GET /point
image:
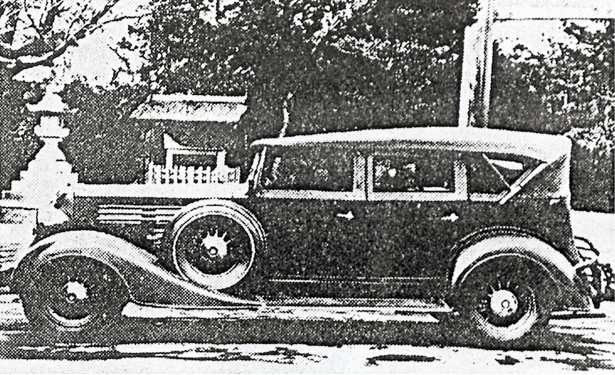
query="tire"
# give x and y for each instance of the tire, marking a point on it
(504, 299)
(214, 243)
(74, 299)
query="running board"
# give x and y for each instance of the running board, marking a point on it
(302, 309)
(409, 310)
(576, 314)
(398, 304)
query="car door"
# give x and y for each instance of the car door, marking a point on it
(414, 205)
(308, 201)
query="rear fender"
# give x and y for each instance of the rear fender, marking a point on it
(146, 281)
(560, 271)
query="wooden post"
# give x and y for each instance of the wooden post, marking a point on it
(485, 67)
(476, 69)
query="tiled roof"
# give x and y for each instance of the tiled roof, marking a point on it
(192, 108)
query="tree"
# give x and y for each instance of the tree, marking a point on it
(37, 32)
(567, 90)
(105, 145)
(310, 63)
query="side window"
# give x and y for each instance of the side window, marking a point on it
(494, 174)
(413, 173)
(310, 169)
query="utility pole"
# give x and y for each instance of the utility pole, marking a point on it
(476, 68)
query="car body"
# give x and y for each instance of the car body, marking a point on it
(441, 219)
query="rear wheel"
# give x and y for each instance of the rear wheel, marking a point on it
(504, 299)
(74, 298)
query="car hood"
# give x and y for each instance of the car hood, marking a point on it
(181, 191)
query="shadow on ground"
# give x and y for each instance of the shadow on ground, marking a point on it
(214, 340)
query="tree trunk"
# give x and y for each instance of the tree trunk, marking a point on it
(286, 114)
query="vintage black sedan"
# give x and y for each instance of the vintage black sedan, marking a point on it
(472, 222)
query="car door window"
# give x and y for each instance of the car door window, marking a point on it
(414, 175)
(406, 173)
(304, 172)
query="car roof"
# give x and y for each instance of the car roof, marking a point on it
(543, 147)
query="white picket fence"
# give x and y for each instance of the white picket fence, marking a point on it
(181, 174)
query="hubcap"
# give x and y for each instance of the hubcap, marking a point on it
(215, 246)
(74, 302)
(75, 291)
(503, 303)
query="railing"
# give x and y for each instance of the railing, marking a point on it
(181, 174)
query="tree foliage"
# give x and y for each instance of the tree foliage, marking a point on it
(567, 90)
(329, 64)
(105, 145)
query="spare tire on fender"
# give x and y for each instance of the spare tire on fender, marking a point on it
(213, 243)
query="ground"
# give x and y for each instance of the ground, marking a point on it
(298, 347)
(414, 344)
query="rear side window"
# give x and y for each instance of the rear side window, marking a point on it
(309, 169)
(494, 174)
(413, 173)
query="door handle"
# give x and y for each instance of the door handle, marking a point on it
(452, 218)
(349, 216)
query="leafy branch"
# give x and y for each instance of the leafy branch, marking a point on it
(48, 45)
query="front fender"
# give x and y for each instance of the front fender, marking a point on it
(561, 272)
(146, 281)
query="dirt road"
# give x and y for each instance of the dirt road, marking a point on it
(416, 345)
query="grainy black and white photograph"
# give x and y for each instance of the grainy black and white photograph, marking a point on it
(307, 186)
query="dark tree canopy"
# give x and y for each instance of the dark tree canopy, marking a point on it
(333, 64)
(105, 145)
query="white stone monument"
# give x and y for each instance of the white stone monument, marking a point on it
(49, 176)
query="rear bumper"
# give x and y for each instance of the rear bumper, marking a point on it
(597, 279)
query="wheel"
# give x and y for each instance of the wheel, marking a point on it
(74, 298)
(504, 299)
(214, 245)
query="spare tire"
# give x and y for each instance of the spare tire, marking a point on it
(213, 243)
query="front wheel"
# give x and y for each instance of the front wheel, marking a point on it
(504, 299)
(71, 298)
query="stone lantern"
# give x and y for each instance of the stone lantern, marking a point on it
(48, 178)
